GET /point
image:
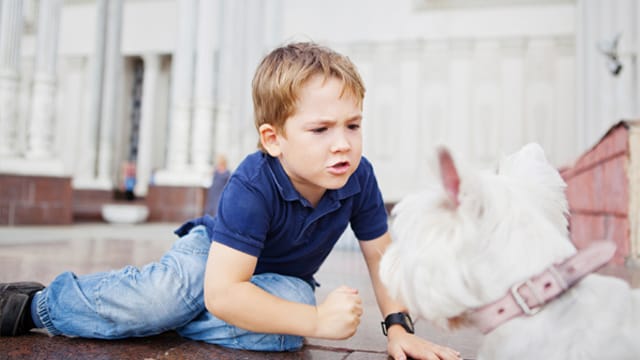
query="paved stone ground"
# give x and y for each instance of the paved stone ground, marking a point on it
(40, 253)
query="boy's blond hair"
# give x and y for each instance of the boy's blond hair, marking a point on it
(284, 71)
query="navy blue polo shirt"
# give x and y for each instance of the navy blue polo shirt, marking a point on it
(261, 214)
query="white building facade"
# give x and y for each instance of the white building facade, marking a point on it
(86, 85)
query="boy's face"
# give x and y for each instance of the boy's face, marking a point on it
(323, 142)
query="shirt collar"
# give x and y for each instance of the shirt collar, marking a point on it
(289, 193)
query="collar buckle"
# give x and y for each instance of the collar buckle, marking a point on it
(522, 303)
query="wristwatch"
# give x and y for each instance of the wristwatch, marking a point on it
(400, 318)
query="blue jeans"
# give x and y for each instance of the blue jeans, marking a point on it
(162, 296)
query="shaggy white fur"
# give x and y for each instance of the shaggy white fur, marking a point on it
(464, 241)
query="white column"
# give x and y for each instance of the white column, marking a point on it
(539, 95)
(625, 91)
(182, 87)
(202, 129)
(433, 122)
(385, 98)
(365, 62)
(460, 96)
(512, 84)
(10, 36)
(636, 69)
(405, 156)
(273, 14)
(111, 92)
(147, 116)
(485, 122)
(40, 131)
(254, 49)
(565, 145)
(582, 120)
(71, 110)
(227, 69)
(86, 172)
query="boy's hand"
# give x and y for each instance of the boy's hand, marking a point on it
(403, 345)
(338, 316)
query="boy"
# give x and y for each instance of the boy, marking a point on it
(246, 276)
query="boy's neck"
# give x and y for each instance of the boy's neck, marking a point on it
(315, 199)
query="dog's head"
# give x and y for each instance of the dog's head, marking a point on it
(463, 241)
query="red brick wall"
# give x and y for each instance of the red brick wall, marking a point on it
(42, 200)
(35, 200)
(87, 204)
(175, 203)
(598, 193)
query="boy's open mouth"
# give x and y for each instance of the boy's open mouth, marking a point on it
(339, 167)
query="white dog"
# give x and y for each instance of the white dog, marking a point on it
(463, 247)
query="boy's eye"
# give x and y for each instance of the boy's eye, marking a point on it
(354, 126)
(319, 130)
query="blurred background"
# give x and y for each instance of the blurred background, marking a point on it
(96, 92)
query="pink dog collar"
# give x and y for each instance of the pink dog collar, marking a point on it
(529, 296)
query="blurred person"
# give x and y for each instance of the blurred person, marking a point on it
(221, 175)
(128, 182)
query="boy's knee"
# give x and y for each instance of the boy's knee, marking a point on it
(195, 242)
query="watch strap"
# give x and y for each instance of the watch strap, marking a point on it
(400, 318)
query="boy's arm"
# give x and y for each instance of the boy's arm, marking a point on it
(230, 296)
(400, 343)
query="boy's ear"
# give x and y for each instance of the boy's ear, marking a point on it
(269, 139)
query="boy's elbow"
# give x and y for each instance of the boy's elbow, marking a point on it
(218, 302)
(212, 301)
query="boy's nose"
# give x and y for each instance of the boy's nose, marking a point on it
(341, 142)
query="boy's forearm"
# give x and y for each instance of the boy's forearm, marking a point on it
(249, 307)
(386, 304)
(373, 251)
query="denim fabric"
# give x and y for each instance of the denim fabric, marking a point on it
(161, 296)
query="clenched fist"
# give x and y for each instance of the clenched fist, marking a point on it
(338, 316)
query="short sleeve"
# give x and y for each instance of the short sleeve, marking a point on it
(243, 218)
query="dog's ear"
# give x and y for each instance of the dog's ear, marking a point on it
(449, 175)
